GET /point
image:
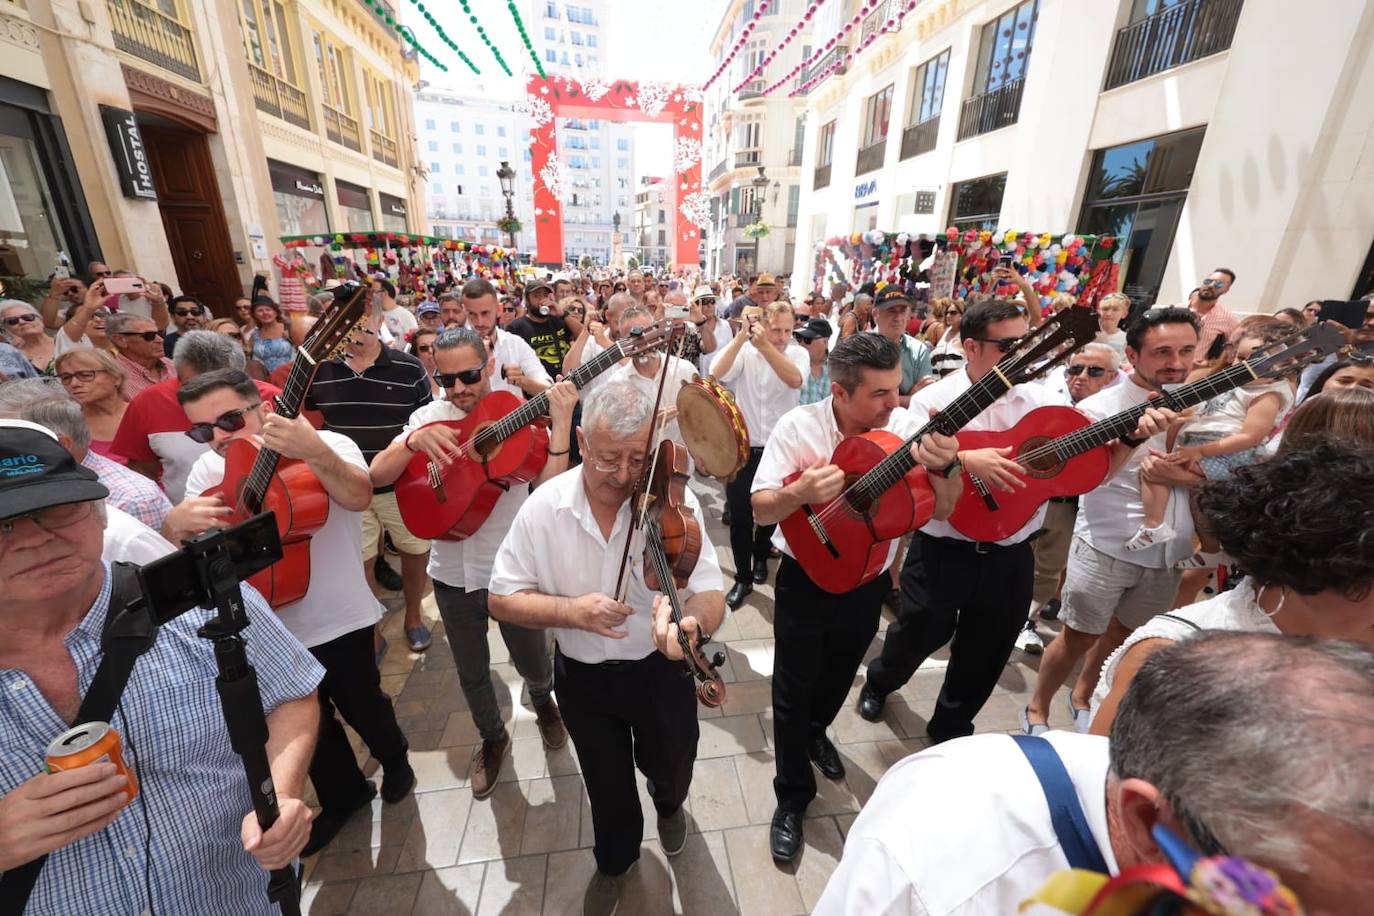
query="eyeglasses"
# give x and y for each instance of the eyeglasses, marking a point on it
(467, 377)
(509, 310)
(610, 466)
(1003, 344)
(20, 319)
(1361, 358)
(149, 336)
(183, 313)
(424, 348)
(81, 375)
(101, 273)
(1210, 282)
(230, 422)
(1093, 371)
(49, 518)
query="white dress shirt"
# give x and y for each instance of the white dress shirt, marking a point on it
(1004, 413)
(680, 372)
(555, 547)
(1111, 514)
(994, 845)
(805, 436)
(129, 540)
(721, 327)
(513, 350)
(338, 600)
(466, 564)
(1056, 385)
(761, 396)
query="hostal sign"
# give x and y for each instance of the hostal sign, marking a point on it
(130, 155)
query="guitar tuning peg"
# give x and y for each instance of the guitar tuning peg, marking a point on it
(703, 639)
(718, 659)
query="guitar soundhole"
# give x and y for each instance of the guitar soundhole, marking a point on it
(858, 502)
(1043, 466)
(484, 446)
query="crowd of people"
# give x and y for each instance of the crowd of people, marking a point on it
(120, 414)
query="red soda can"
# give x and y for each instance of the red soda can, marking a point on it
(92, 742)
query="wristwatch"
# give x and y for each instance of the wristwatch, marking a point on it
(1130, 442)
(954, 467)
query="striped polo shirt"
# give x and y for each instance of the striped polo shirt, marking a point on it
(370, 407)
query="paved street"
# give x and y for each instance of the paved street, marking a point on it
(527, 848)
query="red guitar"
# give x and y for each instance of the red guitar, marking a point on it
(844, 544)
(258, 479)
(504, 449)
(1065, 454)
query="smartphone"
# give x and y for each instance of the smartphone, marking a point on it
(676, 311)
(123, 286)
(1006, 260)
(752, 312)
(172, 584)
(1349, 314)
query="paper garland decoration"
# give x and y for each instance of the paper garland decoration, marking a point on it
(443, 36)
(482, 33)
(797, 28)
(739, 43)
(525, 37)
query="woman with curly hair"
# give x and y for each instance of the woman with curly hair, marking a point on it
(1301, 527)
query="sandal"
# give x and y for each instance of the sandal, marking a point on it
(1146, 538)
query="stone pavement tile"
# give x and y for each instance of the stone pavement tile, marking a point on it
(764, 888)
(522, 722)
(436, 831)
(729, 629)
(751, 659)
(553, 820)
(562, 761)
(460, 729)
(911, 723)
(386, 895)
(821, 855)
(729, 735)
(566, 881)
(1002, 713)
(752, 624)
(330, 899)
(851, 728)
(756, 782)
(524, 760)
(495, 825)
(392, 684)
(425, 739)
(514, 887)
(386, 827)
(444, 767)
(449, 891)
(894, 751)
(766, 723)
(832, 797)
(845, 821)
(716, 799)
(864, 765)
(648, 886)
(359, 863)
(747, 697)
(702, 882)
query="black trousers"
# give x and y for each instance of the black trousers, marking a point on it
(353, 685)
(747, 543)
(820, 640)
(976, 595)
(623, 715)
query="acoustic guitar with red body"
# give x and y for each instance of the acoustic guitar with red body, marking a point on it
(502, 449)
(1063, 453)
(260, 480)
(844, 544)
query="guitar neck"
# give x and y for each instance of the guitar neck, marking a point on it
(288, 404)
(538, 405)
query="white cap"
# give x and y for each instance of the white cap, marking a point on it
(703, 292)
(26, 424)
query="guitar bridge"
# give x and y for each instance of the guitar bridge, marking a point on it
(436, 482)
(818, 528)
(988, 499)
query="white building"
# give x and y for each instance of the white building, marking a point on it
(1203, 133)
(599, 154)
(746, 130)
(653, 226)
(463, 139)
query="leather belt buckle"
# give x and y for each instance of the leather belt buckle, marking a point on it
(983, 547)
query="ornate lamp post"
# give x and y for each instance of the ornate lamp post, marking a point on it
(760, 185)
(506, 175)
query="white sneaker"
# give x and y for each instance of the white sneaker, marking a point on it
(1149, 537)
(1029, 641)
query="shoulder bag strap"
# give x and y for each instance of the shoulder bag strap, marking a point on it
(1070, 824)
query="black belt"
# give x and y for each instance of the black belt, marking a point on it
(608, 663)
(1065, 500)
(974, 546)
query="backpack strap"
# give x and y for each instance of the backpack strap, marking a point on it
(1070, 824)
(1183, 620)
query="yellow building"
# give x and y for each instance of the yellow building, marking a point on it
(180, 138)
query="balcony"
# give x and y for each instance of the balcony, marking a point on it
(342, 129)
(1172, 37)
(836, 53)
(384, 149)
(876, 21)
(746, 157)
(870, 157)
(992, 110)
(751, 90)
(279, 98)
(794, 157)
(717, 170)
(152, 35)
(920, 138)
(821, 177)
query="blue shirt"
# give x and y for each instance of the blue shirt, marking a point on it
(815, 388)
(192, 785)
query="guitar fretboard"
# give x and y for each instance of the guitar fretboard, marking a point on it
(288, 405)
(538, 405)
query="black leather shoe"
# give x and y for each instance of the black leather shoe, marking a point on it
(785, 836)
(1050, 609)
(387, 578)
(760, 571)
(327, 824)
(870, 704)
(737, 594)
(825, 757)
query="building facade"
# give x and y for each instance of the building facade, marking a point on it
(746, 132)
(181, 138)
(1187, 129)
(653, 224)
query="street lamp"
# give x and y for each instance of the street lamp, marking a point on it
(760, 184)
(506, 175)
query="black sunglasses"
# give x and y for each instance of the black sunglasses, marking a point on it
(1003, 344)
(184, 313)
(467, 377)
(230, 422)
(20, 319)
(149, 336)
(1093, 371)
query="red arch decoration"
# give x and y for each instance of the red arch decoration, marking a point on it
(556, 97)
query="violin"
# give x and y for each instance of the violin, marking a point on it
(672, 544)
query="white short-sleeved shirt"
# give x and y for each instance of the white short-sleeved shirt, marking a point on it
(965, 868)
(129, 540)
(1110, 514)
(339, 600)
(1056, 385)
(466, 564)
(590, 351)
(806, 435)
(555, 547)
(399, 322)
(722, 332)
(511, 350)
(1004, 413)
(680, 372)
(763, 397)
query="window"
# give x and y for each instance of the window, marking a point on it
(1004, 48)
(458, 169)
(577, 59)
(591, 42)
(593, 125)
(429, 124)
(576, 38)
(622, 163)
(622, 144)
(481, 150)
(749, 135)
(877, 113)
(434, 167)
(1136, 192)
(458, 148)
(977, 204)
(550, 56)
(481, 129)
(928, 90)
(454, 127)
(266, 38)
(433, 147)
(596, 162)
(551, 10)
(596, 142)
(825, 144)
(793, 203)
(436, 188)
(500, 131)
(329, 60)
(482, 173)
(550, 33)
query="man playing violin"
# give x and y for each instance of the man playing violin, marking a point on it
(461, 570)
(617, 664)
(821, 637)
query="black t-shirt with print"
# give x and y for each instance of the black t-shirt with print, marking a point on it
(550, 339)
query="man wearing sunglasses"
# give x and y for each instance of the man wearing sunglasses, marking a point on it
(187, 315)
(1217, 319)
(335, 619)
(462, 569)
(140, 351)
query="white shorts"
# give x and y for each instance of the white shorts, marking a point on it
(1098, 587)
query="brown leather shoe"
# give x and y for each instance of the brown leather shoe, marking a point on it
(486, 765)
(551, 727)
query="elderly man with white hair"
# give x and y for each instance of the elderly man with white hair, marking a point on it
(617, 666)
